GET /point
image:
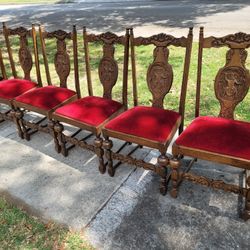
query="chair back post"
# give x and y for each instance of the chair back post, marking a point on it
(76, 67)
(37, 65)
(2, 66)
(45, 59)
(133, 65)
(125, 69)
(7, 42)
(87, 64)
(185, 77)
(199, 71)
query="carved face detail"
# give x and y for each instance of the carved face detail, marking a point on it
(158, 77)
(62, 65)
(107, 72)
(231, 84)
(25, 57)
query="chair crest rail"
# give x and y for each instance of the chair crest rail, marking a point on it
(161, 39)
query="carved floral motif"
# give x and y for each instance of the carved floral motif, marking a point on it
(217, 184)
(25, 57)
(106, 38)
(62, 63)
(160, 76)
(160, 40)
(20, 31)
(58, 34)
(234, 38)
(108, 70)
(133, 161)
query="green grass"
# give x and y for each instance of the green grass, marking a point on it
(21, 231)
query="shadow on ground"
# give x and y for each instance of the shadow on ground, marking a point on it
(117, 16)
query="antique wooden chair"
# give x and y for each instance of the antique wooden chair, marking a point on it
(91, 113)
(46, 99)
(11, 88)
(219, 139)
(153, 126)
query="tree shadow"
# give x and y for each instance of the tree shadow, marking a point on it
(116, 16)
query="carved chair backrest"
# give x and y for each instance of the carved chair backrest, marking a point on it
(24, 53)
(160, 72)
(61, 57)
(108, 66)
(232, 81)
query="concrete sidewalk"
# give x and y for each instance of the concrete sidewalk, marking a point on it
(124, 212)
(147, 17)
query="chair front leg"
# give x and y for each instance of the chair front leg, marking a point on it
(175, 165)
(26, 135)
(246, 213)
(60, 140)
(100, 153)
(163, 162)
(108, 144)
(53, 132)
(2, 120)
(17, 116)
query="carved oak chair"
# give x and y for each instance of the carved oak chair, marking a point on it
(91, 113)
(219, 139)
(154, 126)
(13, 87)
(46, 99)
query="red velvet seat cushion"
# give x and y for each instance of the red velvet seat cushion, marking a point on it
(218, 135)
(147, 122)
(11, 88)
(46, 98)
(91, 110)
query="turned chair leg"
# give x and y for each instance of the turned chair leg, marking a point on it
(20, 115)
(108, 144)
(53, 132)
(175, 165)
(17, 116)
(246, 213)
(163, 162)
(100, 153)
(60, 140)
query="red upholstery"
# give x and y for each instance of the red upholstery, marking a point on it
(218, 135)
(147, 122)
(46, 98)
(11, 88)
(91, 110)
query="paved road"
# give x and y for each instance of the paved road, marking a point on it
(147, 17)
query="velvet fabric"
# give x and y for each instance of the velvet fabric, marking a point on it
(151, 123)
(91, 110)
(46, 98)
(218, 135)
(11, 88)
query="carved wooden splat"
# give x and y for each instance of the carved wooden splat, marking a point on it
(25, 57)
(62, 62)
(232, 82)
(159, 76)
(108, 70)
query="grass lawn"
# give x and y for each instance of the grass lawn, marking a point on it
(21, 231)
(33, 2)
